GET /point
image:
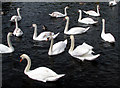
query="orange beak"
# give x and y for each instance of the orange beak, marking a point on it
(64, 19)
(20, 60)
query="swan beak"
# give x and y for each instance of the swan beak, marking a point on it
(47, 39)
(20, 60)
(64, 19)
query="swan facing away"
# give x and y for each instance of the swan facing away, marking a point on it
(82, 52)
(93, 13)
(106, 36)
(86, 20)
(112, 3)
(74, 30)
(57, 48)
(15, 16)
(42, 36)
(43, 74)
(58, 14)
(9, 48)
(17, 32)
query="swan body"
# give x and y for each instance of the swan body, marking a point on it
(43, 74)
(112, 3)
(74, 30)
(82, 52)
(57, 48)
(16, 16)
(42, 36)
(58, 14)
(106, 36)
(93, 13)
(17, 32)
(86, 20)
(9, 48)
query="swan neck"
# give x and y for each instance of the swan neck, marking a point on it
(65, 11)
(51, 46)
(27, 68)
(9, 43)
(72, 44)
(98, 10)
(80, 15)
(66, 27)
(18, 13)
(35, 32)
(103, 29)
(16, 23)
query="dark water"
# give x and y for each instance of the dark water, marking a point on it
(100, 73)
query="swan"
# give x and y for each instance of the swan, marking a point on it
(93, 13)
(82, 52)
(17, 32)
(112, 3)
(18, 17)
(74, 30)
(85, 20)
(9, 48)
(57, 48)
(58, 14)
(43, 74)
(42, 36)
(106, 36)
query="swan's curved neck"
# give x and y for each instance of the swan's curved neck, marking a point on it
(9, 43)
(51, 46)
(80, 15)
(27, 68)
(114, 0)
(98, 10)
(18, 13)
(72, 44)
(65, 11)
(66, 27)
(103, 29)
(16, 23)
(35, 32)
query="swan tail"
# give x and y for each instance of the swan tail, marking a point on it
(92, 57)
(54, 36)
(65, 41)
(61, 75)
(87, 28)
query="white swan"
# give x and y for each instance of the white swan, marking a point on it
(57, 48)
(58, 14)
(112, 3)
(106, 36)
(17, 32)
(93, 13)
(74, 30)
(85, 20)
(18, 17)
(42, 36)
(43, 74)
(82, 52)
(9, 48)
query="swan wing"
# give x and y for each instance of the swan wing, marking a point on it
(18, 32)
(4, 48)
(108, 37)
(77, 30)
(57, 14)
(59, 47)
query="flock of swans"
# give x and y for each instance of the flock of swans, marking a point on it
(82, 52)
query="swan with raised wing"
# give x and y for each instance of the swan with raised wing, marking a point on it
(86, 20)
(57, 48)
(17, 32)
(82, 52)
(43, 74)
(9, 48)
(93, 13)
(74, 30)
(43, 35)
(112, 3)
(16, 16)
(106, 36)
(58, 14)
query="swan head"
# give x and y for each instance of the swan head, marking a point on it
(18, 9)
(71, 36)
(79, 11)
(103, 20)
(23, 56)
(98, 6)
(66, 7)
(66, 17)
(10, 34)
(34, 25)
